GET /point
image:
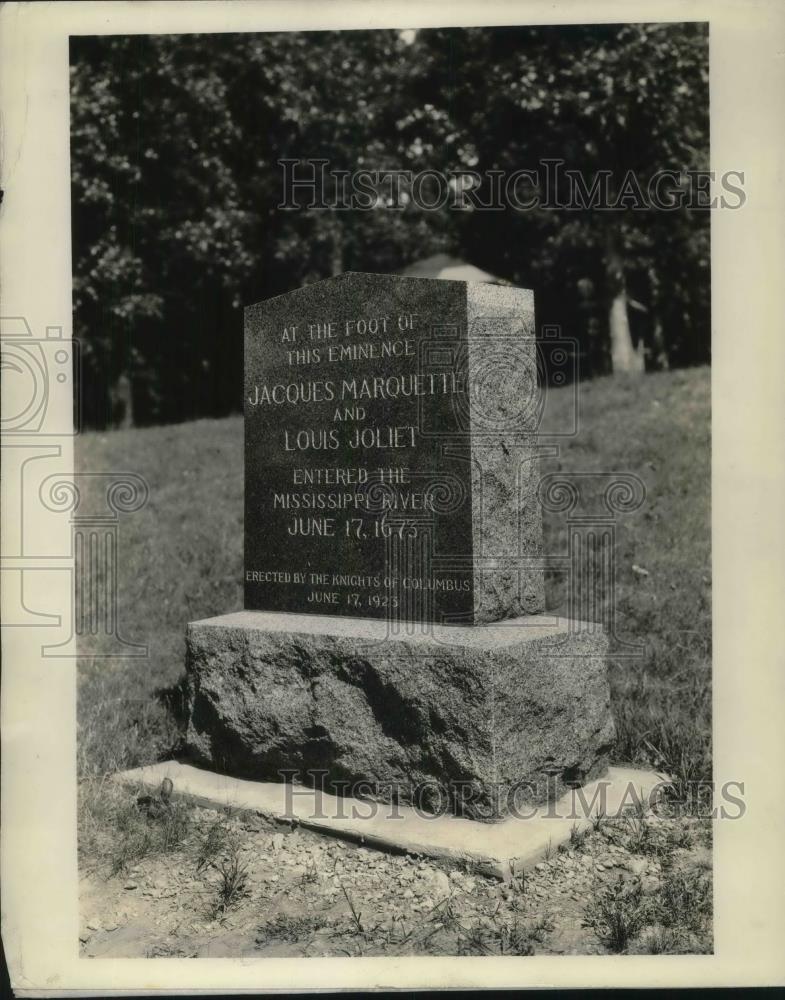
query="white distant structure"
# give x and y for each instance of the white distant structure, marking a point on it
(441, 265)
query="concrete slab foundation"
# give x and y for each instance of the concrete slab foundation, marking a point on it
(501, 849)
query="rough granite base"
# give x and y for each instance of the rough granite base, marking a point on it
(466, 719)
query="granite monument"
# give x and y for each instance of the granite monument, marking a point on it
(393, 644)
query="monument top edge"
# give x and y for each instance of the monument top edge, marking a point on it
(510, 631)
(348, 276)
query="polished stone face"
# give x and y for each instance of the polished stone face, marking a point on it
(389, 461)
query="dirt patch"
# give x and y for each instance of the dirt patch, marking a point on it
(237, 886)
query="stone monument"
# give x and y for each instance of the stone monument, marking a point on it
(393, 644)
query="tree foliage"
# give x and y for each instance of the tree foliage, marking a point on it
(626, 99)
(175, 143)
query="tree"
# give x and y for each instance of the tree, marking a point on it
(628, 100)
(176, 186)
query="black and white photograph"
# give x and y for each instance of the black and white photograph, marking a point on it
(390, 550)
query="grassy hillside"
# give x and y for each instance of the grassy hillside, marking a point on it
(181, 559)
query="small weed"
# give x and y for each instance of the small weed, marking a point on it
(638, 834)
(232, 884)
(479, 940)
(216, 840)
(687, 762)
(539, 927)
(311, 873)
(685, 900)
(632, 831)
(617, 914)
(679, 837)
(518, 883)
(399, 933)
(496, 937)
(174, 826)
(283, 927)
(664, 941)
(356, 916)
(169, 951)
(657, 839)
(136, 835)
(577, 837)
(130, 849)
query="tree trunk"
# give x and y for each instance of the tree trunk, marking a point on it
(624, 356)
(122, 403)
(659, 350)
(336, 249)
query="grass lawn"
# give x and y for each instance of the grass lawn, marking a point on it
(180, 559)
